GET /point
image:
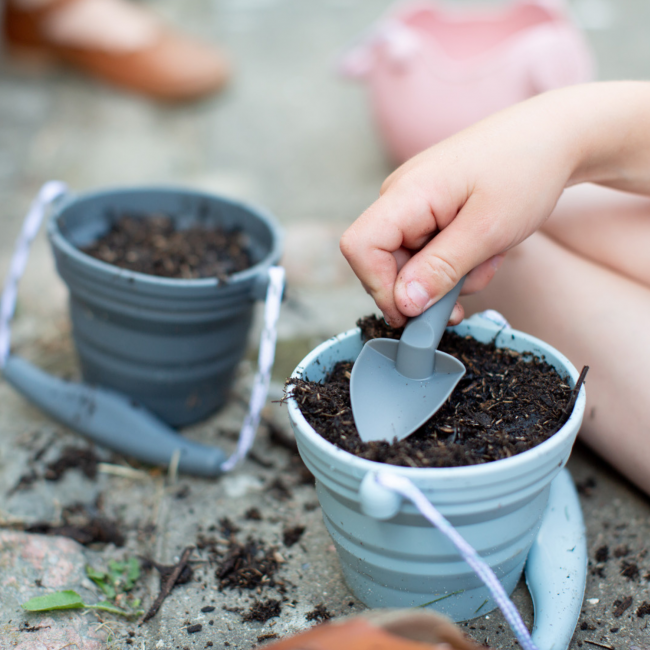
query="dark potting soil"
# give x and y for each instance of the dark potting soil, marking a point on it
(151, 244)
(505, 404)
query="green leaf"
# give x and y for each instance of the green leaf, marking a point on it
(105, 606)
(100, 579)
(132, 574)
(58, 600)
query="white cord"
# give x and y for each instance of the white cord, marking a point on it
(48, 193)
(264, 367)
(407, 489)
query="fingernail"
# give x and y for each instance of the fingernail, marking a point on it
(497, 261)
(417, 294)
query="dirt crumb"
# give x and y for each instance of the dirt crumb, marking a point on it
(586, 488)
(602, 554)
(643, 609)
(621, 606)
(253, 514)
(85, 460)
(247, 566)
(263, 610)
(291, 536)
(319, 613)
(621, 551)
(629, 570)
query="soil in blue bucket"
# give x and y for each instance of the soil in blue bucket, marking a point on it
(152, 244)
(505, 404)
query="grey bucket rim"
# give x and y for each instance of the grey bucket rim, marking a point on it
(473, 472)
(60, 242)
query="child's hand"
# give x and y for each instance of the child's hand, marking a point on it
(459, 206)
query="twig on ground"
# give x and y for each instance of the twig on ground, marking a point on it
(600, 645)
(168, 585)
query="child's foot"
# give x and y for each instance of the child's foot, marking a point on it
(117, 42)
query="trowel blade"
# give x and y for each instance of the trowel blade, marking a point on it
(386, 404)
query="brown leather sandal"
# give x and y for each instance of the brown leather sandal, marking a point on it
(381, 630)
(171, 67)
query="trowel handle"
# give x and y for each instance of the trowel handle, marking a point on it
(421, 337)
(112, 420)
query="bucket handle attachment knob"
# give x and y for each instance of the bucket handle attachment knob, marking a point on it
(377, 501)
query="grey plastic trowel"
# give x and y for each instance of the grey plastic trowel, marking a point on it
(112, 420)
(396, 386)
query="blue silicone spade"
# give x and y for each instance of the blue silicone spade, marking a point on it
(111, 419)
(556, 569)
(396, 386)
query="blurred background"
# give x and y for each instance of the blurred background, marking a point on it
(286, 132)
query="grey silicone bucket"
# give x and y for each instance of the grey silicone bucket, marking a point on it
(402, 561)
(170, 344)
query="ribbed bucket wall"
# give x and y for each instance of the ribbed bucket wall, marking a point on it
(170, 344)
(497, 507)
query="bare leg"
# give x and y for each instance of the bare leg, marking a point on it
(597, 317)
(606, 226)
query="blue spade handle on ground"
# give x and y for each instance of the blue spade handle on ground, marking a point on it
(556, 568)
(112, 420)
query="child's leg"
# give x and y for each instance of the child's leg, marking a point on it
(608, 227)
(597, 317)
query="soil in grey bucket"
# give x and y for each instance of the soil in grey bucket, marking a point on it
(171, 344)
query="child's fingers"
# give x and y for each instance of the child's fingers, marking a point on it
(377, 244)
(469, 241)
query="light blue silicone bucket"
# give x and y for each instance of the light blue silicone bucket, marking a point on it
(401, 560)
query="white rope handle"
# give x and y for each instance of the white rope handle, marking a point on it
(47, 194)
(408, 490)
(264, 366)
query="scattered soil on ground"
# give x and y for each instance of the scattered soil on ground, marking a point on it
(290, 536)
(586, 488)
(621, 606)
(643, 609)
(319, 613)
(253, 514)
(151, 244)
(629, 570)
(249, 565)
(505, 404)
(621, 551)
(602, 554)
(85, 460)
(193, 629)
(84, 525)
(279, 490)
(263, 610)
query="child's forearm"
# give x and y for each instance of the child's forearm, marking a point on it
(612, 123)
(455, 208)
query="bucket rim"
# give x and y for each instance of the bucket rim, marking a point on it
(60, 242)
